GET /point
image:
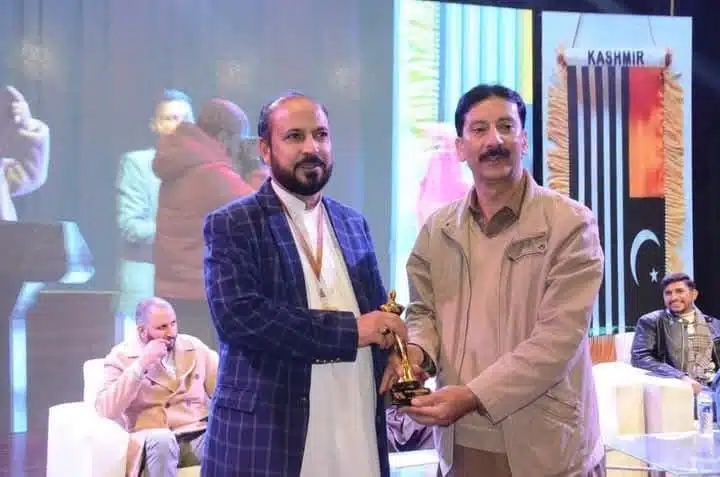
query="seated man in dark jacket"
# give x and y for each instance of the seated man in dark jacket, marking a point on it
(678, 341)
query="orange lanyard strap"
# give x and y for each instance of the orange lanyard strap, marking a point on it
(315, 260)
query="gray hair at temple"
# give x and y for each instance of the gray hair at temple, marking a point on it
(143, 309)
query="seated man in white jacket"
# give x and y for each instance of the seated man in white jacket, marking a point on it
(24, 151)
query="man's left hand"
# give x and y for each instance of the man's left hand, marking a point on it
(442, 407)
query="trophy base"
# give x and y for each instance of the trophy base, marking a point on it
(403, 392)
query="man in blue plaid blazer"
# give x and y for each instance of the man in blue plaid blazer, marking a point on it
(275, 304)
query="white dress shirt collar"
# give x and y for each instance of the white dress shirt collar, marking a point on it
(295, 206)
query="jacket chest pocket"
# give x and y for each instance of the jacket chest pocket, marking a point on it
(521, 274)
(525, 249)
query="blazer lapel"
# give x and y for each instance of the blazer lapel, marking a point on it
(294, 277)
(354, 252)
(185, 358)
(159, 376)
(350, 251)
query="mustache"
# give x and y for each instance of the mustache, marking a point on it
(311, 160)
(498, 151)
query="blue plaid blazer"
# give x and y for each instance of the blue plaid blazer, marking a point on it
(270, 339)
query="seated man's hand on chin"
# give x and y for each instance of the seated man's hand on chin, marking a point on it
(152, 354)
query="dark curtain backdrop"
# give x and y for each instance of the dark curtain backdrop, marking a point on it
(93, 69)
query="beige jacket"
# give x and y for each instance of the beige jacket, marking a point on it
(540, 391)
(27, 170)
(154, 402)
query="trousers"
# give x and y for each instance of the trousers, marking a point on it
(165, 452)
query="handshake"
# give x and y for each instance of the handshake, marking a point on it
(403, 376)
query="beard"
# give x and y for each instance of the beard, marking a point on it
(307, 177)
(145, 338)
(170, 343)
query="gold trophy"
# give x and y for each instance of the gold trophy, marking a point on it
(407, 387)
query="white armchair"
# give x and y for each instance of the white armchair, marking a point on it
(81, 443)
(633, 402)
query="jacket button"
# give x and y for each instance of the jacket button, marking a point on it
(167, 405)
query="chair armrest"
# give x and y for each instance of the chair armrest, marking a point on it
(669, 405)
(620, 394)
(81, 443)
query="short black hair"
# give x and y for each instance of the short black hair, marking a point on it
(479, 94)
(675, 277)
(173, 95)
(264, 121)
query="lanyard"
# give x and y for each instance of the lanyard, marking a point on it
(315, 260)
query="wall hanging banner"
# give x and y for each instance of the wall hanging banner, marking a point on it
(629, 57)
(615, 123)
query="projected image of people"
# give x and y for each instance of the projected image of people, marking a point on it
(249, 164)
(444, 47)
(24, 151)
(198, 175)
(443, 180)
(137, 196)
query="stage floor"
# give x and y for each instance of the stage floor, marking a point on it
(24, 455)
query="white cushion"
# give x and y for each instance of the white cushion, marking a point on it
(620, 395)
(93, 378)
(623, 347)
(83, 444)
(669, 405)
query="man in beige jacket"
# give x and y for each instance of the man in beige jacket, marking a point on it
(158, 386)
(502, 286)
(24, 151)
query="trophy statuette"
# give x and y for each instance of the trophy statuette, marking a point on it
(407, 387)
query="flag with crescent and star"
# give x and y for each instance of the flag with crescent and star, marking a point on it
(611, 122)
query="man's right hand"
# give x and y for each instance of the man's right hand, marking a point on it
(377, 327)
(153, 352)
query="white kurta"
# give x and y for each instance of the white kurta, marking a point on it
(341, 437)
